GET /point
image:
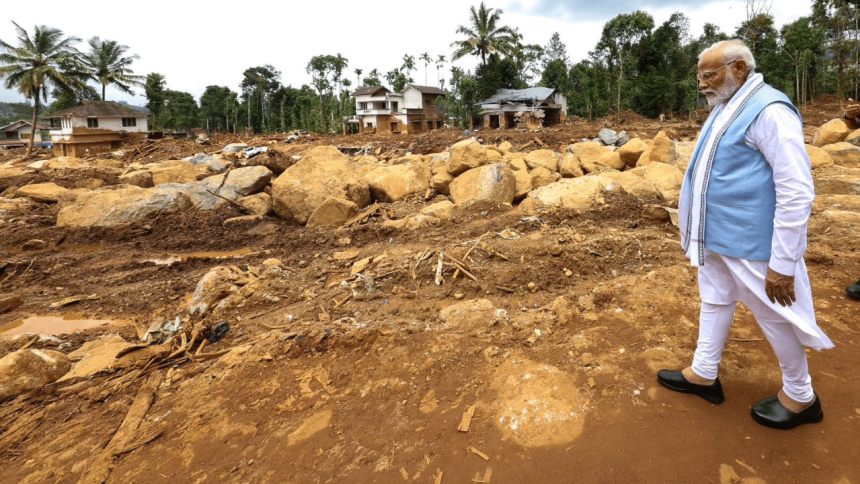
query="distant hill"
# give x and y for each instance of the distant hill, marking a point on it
(132, 106)
(11, 112)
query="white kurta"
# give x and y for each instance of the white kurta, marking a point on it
(777, 133)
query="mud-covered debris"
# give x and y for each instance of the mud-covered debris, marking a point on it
(218, 332)
(27, 370)
(9, 302)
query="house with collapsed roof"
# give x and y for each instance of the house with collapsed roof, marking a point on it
(18, 133)
(95, 126)
(531, 108)
(414, 110)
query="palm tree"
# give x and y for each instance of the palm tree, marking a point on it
(39, 62)
(358, 77)
(408, 64)
(107, 65)
(427, 61)
(484, 36)
(440, 63)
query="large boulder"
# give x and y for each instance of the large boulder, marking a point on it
(235, 148)
(489, 182)
(523, 185)
(633, 183)
(177, 171)
(541, 177)
(853, 137)
(257, 204)
(239, 183)
(323, 173)
(109, 208)
(569, 166)
(66, 163)
(611, 159)
(666, 178)
(840, 184)
(138, 178)
(547, 159)
(818, 157)
(632, 151)
(42, 192)
(333, 212)
(394, 183)
(580, 194)
(843, 154)
(466, 155)
(28, 370)
(833, 131)
(608, 136)
(681, 153)
(441, 181)
(588, 154)
(658, 151)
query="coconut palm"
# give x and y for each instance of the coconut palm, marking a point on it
(358, 76)
(408, 65)
(39, 63)
(484, 36)
(107, 65)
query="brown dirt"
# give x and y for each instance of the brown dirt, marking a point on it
(376, 392)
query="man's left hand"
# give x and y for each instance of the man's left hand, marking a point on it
(779, 288)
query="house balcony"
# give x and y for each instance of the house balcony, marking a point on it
(373, 112)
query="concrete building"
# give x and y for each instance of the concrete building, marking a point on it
(18, 134)
(96, 126)
(378, 110)
(532, 108)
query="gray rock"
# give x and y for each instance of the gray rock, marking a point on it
(622, 139)
(240, 183)
(608, 136)
(109, 208)
(235, 148)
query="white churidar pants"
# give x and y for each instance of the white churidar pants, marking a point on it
(723, 281)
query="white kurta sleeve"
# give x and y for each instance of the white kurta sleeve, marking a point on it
(778, 134)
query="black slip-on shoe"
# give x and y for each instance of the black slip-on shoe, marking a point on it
(771, 413)
(854, 290)
(675, 381)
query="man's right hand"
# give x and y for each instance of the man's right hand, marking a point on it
(852, 110)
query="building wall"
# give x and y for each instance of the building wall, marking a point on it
(25, 130)
(412, 98)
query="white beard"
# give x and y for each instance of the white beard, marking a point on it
(723, 94)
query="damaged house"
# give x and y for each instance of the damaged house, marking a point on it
(95, 126)
(414, 110)
(531, 108)
(18, 133)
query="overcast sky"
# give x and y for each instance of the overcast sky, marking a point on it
(196, 44)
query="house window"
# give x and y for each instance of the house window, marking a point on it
(25, 136)
(394, 106)
(362, 105)
(92, 122)
(129, 122)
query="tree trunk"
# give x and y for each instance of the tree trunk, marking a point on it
(103, 91)
(29, 152)
(620, 77)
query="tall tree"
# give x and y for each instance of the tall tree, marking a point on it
(181, 111)
(440, 64)
(839, 18)
(358, 73)
(258, 84)
(427, 61)
(214, 107)
(803, 45)
(67, 99)
(408, 65)
(39, 62)
(620, 36)
(484, 36)
(555, 50)
(154, 88)
(107, 65)
(373, 78)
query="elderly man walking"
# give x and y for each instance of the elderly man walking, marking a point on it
(744, 208)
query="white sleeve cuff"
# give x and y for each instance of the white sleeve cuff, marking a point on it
(783, 266)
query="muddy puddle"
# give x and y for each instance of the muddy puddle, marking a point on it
(53, 325)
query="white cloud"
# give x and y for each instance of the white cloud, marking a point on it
(197, 44)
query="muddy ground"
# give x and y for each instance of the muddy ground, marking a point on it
(372, 388)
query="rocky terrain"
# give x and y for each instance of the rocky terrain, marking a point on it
(437, 308)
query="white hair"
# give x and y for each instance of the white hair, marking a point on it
(733, 50)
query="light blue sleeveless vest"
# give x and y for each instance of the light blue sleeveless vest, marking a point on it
(741, 195)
